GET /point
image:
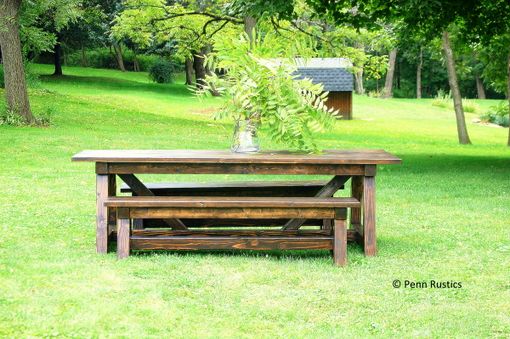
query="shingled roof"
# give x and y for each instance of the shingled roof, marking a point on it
(332, 73)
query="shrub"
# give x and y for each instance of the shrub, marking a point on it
(104, 58)
(162, 71)
(2, 83)
(98, 58)
(374, 94)
(145, 61)
(498, 114)
(11, 118)
(442, 99)
(470, 106)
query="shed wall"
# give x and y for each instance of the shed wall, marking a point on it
(342, 101)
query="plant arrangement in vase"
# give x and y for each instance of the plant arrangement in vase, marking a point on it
(260, 89)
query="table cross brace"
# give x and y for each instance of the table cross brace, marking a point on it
(327, 191)
(140, 189)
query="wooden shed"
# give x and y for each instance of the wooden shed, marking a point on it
(334, 75)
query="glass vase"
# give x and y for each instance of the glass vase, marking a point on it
(245, 139)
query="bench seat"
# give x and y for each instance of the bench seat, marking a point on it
(233, 202)
(292, 188)
(298, 188)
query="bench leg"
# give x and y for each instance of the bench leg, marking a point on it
(122, 238)
(340, 243)
(138, 224)
(326, 224)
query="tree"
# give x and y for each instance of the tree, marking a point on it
(426, 17)
(23, 29)
(86, 31)
(454, 87)
(418, 73)
(388, 85)
(52, 17)
(488, 22)
(192, 25)
(16, 93)
(364, 48)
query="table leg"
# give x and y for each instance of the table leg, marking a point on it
(112, 215)
(105, 186)
(363, 219)
(368, 203)
(357, 192)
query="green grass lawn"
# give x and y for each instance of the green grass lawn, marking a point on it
(444, 214)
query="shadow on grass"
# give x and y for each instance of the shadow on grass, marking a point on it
(458, 164)
(272, 254)
(116, 84)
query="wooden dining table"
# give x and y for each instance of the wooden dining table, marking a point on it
(358, 166)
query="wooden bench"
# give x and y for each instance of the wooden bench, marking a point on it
(294, 188)
(157, 207)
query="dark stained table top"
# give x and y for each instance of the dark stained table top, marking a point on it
(330, 157)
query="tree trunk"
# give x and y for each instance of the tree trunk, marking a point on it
(479, 88)
(397, 71)
(16, 94)
(57, 57)
(201, 70)
(84, 61)
(136, 65)
(388, 85)
(188, 67)
(249, 27)
(418, 74)
(199, 67)
(508, 92)
(358, 82)
(119, 57)
(454, 87)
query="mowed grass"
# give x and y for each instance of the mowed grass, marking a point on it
(443, 215)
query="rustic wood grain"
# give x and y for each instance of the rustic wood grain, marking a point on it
(234, 233)
(297, 188)
(139, 188)
(101, 213)
(343, 157)
(357, 193)
(122, 238)
(226, 202)
(222, 168)
(369, 236)
(327, 191)
(340, 243)
(112, 191)
(225, 243)
(232, 212)
(207, 222)
(352, 236)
